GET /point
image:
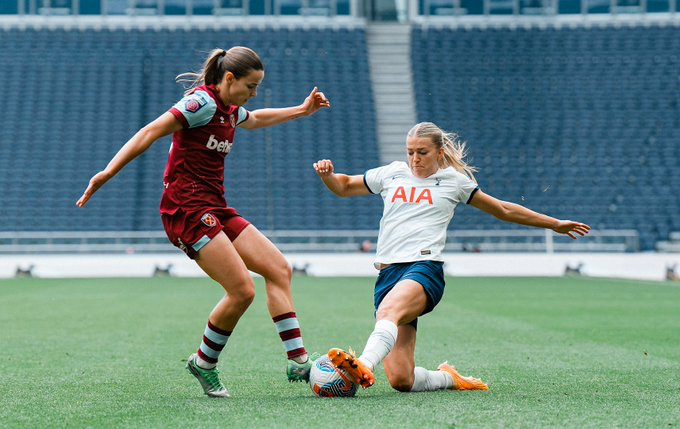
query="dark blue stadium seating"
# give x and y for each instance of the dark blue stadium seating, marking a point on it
(73, 98)
(579, 123)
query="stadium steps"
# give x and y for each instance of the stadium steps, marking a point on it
(389, 54)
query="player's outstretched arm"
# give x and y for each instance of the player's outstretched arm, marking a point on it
(515, 213)
(340, 184)
(140, 142)
(262, 118)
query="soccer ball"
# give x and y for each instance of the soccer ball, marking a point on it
(330, 382)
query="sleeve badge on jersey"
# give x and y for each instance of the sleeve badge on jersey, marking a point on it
(193, 104)
(232, 120)
(209, 220)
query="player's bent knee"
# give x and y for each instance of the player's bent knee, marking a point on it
(287, 272)
(401, 382)
(386, 311)
(248, 296)
(244, 294)
(243, 300)
(280, 275)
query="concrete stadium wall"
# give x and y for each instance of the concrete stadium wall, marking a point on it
(639, 266)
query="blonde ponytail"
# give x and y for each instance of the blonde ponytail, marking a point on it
(455, 150)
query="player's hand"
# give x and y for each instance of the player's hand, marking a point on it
(324, 167)
(314, 101)
(572, 228)
(96, 182)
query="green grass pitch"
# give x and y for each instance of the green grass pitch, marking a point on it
(563, 352)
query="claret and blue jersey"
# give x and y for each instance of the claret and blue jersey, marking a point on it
(194, 174)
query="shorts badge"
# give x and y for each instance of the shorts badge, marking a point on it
(209, 220)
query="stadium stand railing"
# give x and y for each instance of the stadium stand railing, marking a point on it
(670, 245)
(475, 241)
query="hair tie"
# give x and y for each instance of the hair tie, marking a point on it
(220, 58)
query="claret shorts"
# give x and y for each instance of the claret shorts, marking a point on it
(190, 230)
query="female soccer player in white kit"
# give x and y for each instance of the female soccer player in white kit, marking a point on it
(420, 198)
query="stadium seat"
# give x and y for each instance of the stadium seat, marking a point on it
(96, 102)
(562, 120)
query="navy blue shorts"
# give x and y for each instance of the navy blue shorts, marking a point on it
(429, 274)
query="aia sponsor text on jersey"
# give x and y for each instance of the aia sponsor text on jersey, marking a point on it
(409, 196)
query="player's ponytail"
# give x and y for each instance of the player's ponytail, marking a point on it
(454, 149)
(238, 60)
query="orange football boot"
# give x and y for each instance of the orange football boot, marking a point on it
(352, 366)
(461, 382)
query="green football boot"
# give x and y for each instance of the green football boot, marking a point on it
(209, 379)
(300, 371)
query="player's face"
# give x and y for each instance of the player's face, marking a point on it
(423, 156)
(239, 91)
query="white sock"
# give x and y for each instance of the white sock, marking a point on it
(204, 363)
(301, 359)
(427, 381)
(379, 343)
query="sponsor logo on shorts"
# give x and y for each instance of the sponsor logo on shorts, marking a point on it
(425, 252)
(209, 220)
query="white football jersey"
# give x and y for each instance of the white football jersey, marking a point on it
(417, 211)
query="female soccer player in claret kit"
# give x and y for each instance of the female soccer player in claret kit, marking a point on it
(194, 209)
(419, 200)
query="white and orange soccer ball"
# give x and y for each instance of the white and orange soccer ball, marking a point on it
(330, 382)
